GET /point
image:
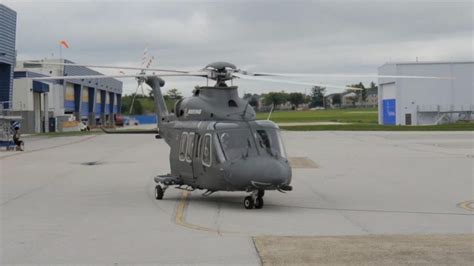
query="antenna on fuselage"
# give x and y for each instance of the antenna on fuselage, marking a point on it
(271, 110)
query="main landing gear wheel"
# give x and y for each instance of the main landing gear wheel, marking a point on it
(254, 200)
(248, 202)
(259, 203)
(159, 192)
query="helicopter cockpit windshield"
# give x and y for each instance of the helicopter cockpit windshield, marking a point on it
(269, 140)
(236, 143)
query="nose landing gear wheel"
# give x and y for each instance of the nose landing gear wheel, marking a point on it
(159, 192)
(259, 203)
(248, 202)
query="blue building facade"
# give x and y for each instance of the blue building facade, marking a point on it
(98, 96)
(7, 54)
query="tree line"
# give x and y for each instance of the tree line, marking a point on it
(316, 98)
(144, 104)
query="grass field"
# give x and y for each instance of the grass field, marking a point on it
(358, 120)
(366, 116)
(376, 127)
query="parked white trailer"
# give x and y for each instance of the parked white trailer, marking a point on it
(426, 101)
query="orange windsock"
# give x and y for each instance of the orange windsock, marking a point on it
(64, 44)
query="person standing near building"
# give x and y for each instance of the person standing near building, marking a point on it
(16, 137)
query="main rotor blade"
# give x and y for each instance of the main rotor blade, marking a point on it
(112, 76)
(295, 82)
(102, 66)
(341, 75)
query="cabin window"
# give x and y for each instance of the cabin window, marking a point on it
(232, 103)
(189, 147)
(182, 145)
(206, 150)
(198, 145)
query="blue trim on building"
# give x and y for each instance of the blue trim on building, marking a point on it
(77, 97)
(91, 99)
(102, 102)
(40, 87)
(98, 108)
(30, 74)
(7, 54)
(389, 111)
(85, 109)
(69, 106)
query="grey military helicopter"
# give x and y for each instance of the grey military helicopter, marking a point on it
(216, 143)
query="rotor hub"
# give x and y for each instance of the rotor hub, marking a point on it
(220, 72)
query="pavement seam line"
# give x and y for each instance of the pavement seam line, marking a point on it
(47, 148)
(256, 250)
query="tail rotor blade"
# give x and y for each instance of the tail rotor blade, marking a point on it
(149, 62)
(144, 55)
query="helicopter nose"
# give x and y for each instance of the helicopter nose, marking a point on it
(273, 172)
(260, 172)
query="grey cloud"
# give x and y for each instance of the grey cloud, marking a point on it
(291, 36)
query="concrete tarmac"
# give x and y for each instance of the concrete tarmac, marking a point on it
(89, 199)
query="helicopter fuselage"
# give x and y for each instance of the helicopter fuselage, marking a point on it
(228, 155)
(216, 144)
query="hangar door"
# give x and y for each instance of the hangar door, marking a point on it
(389, 104)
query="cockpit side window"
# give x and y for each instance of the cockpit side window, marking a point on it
(263, 140)
(182, 145)
(206, 150)
(270, 141)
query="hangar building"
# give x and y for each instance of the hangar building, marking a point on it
(426, 101)
(93, 101)
(7, 54)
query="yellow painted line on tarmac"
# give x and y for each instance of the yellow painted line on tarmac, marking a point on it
(180, 218)
(467, 205)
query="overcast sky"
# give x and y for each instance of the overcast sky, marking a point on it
(271, 36)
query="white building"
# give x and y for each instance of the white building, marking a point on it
(94, 101)
(426, 101)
